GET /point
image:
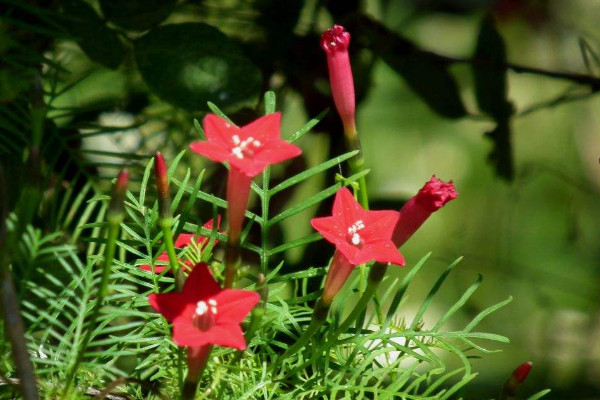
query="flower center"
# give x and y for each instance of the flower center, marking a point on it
(353, 234)
(244, 148)
(204, 318)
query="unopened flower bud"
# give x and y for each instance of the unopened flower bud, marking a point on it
(432, 196)
(520, 373)
(118, 194)
(335, 42)
(162, 185)
(517, 377)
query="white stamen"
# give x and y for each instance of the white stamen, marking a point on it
(213, 305)
(353, 230)
(237, 151)
(241, 146)
(201, 308)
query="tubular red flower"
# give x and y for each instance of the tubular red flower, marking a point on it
(335, 42)
(432, 196)
(248, 150)
(360, 235)
(204, 314)
(181, 242)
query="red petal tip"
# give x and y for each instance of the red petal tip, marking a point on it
(335, 39)
(436, 193)
(521, 372)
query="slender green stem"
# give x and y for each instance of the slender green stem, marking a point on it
(358, 165)
(165, 226)
(114, 221)
(264, 233)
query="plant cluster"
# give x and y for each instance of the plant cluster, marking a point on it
(163, 305)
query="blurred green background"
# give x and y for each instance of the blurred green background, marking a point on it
(531, 226)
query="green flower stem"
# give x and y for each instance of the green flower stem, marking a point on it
(318, 319)
(375, 277)
(114, 220)
(358, 165)
(165, 226)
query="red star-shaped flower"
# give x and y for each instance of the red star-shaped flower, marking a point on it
(360, 235)
(248, 149)
(183, 240)
(203, 313)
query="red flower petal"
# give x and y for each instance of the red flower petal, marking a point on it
(164, 257)
(215, 152)
(352, 253)
(227, 335)
(265, 128)
(186, 334)
(217, 130)
(234, 305)
(247, 166)
(346, 208)
(277, 151)
(170, 305)
(329, 227)
(183, 240)
(383, 251)
(379, 225)
(200, 284)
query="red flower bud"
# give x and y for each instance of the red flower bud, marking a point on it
(517, 377)
(432, 196)
(520, 373)
(118, 193)
(162, 185)
(335, 42)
